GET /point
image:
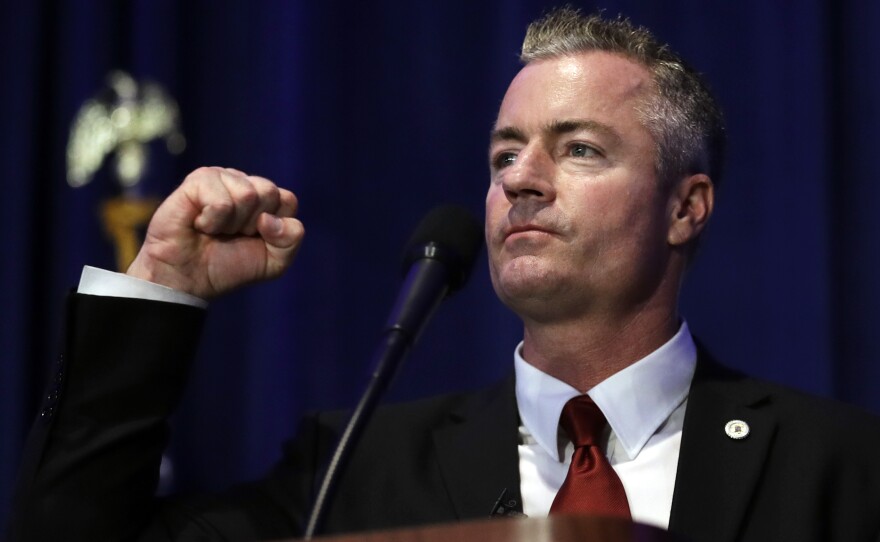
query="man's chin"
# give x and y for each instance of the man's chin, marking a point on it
(520, 290)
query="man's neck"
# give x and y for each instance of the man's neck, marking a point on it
(586, 351)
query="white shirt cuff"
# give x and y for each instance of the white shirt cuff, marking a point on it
(94, 281)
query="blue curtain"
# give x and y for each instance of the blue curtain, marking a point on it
(374, 112)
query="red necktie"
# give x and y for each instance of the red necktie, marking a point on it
(591, 485)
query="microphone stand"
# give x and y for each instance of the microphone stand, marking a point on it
(425, 287)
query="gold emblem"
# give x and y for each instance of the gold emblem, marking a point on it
(119, 123)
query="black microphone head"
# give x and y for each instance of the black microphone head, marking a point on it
(450, 234)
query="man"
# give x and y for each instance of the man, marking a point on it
(603, 162)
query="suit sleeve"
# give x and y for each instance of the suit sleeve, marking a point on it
(91, 461)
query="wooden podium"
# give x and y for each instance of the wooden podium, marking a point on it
(551, 529)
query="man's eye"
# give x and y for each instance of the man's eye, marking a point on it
(504, 159)
(581, 150)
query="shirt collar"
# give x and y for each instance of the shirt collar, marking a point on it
(636, 400)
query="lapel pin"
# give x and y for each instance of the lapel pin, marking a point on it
(737, 429)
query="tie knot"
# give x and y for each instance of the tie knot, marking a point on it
(582, 421)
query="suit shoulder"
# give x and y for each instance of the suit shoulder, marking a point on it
(816, 413)
(796, 411)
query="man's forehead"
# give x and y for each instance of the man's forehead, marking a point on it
(603, 65)
(589, 89)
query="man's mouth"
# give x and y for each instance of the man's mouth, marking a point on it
(524, 229)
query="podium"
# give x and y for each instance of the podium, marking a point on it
(550, 529)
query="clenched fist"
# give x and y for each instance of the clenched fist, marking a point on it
(219, 230)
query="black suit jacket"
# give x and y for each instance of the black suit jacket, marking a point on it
(806, 472)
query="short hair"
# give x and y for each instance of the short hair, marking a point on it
(682, 115)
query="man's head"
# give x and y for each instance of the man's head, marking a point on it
(681, 113)
(600, 186)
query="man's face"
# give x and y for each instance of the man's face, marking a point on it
(575, 217)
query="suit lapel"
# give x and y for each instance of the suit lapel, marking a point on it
(478, 454)
(717, 475)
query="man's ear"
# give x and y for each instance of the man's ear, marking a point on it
(690, 206)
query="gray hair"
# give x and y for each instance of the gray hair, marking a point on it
(682, 115)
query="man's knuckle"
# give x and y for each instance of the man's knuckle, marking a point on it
(221, 207)
(248, 196)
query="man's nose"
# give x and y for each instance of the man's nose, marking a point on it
(530, 177)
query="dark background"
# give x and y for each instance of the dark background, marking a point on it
(373, 113)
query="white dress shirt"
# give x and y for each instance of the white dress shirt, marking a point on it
(644, 405)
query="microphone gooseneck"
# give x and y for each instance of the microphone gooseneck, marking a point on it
(437, 261)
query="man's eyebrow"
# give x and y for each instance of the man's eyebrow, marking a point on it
(508, 133)
(556, 127)
(559, 127)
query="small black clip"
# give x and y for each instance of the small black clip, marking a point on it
(506, 508)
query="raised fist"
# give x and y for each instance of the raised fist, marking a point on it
(219, 230)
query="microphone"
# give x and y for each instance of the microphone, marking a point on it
(437, 261)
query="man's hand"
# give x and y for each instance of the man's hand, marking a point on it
(219, 230)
